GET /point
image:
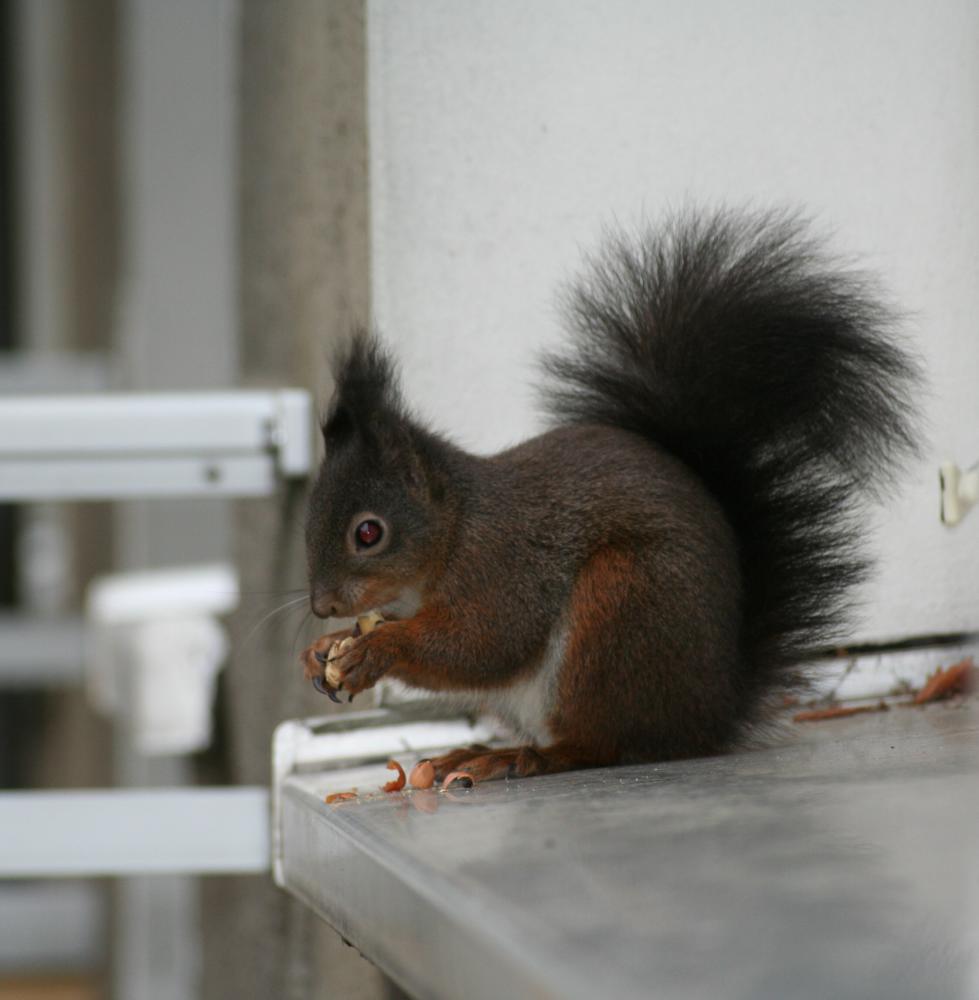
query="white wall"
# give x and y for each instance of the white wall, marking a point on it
(505, 134)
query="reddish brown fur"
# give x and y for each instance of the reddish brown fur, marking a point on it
(599, 605)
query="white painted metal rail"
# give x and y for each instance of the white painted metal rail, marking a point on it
(186, 831)
(127, 445)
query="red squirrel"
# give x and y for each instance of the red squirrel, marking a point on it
(640, 581)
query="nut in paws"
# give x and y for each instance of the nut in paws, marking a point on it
(353, 666)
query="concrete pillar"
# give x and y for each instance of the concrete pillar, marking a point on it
(303, 280)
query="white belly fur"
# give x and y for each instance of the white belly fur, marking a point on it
(527, 706)
(524, 707)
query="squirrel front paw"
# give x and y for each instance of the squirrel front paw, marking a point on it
(338, 661)
(313, 658)
(354, 665)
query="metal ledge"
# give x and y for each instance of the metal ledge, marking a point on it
(841, 864)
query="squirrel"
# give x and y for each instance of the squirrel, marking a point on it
(641, 581)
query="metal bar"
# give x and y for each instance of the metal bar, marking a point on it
(100, 478)
(194, 831)
(130, 445)
(142, 424)
(39, 652)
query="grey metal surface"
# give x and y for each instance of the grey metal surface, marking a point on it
(841, 863)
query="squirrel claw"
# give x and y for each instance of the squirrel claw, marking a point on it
(323, 689)
(320, 658)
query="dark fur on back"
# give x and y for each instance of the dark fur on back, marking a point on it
(735, 342)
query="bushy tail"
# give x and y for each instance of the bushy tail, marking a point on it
(736, 343)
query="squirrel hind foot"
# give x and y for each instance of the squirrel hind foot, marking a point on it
(484, 764)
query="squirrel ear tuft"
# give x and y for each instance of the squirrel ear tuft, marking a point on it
(366, 388)
(339, 422)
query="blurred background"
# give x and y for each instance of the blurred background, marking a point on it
(183, 191)
(203, 196)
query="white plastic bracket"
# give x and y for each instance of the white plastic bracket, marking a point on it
(155, 649)
(960, 491)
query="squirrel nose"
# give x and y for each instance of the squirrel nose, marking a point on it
(323, 603)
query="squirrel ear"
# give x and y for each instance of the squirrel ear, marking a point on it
(339, 422)
(366, 388)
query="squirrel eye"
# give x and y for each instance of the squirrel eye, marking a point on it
(369, 533)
